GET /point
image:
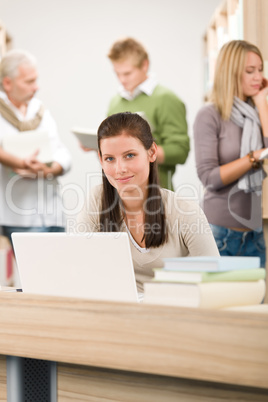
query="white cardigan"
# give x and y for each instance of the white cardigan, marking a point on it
(28, 202)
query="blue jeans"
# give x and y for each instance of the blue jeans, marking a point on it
(7, 230)
(236, 243)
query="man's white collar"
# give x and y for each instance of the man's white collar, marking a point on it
(146, 87)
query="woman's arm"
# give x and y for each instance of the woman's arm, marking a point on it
(195, 230)
(232, 171)
(212, 174)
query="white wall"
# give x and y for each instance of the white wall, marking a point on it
(71, 39)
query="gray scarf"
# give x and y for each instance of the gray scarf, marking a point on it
(247, 117)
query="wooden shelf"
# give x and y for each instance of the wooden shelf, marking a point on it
(237, 19)
(5, 40)
(234, 19)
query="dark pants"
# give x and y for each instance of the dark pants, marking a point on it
(235, 243)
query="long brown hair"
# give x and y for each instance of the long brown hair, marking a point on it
(111, 216)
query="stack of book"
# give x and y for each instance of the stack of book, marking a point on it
(207, 282)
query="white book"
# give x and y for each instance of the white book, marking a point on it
(264, 154)
(26, 143)
(255, 308)
(87, 137)
(211, 264)
(214, 295)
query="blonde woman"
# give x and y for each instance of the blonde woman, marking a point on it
(230, 134)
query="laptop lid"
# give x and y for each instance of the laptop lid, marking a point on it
(90, 265)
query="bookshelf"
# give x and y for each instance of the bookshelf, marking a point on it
(238, 19)
(5, 40)
(235, 19)
(6, 262)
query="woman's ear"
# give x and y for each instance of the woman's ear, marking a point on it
(152, 152)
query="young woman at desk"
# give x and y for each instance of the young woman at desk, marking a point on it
(230, 135)
(158, 223)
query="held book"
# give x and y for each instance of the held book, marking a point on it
(211, 264)
(26, 143)
(214, 295)
(162, 275)
(264, 154)
(87, 137)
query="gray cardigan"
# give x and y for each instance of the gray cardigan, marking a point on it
(217, 142)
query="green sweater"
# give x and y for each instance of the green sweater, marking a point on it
(167, 116)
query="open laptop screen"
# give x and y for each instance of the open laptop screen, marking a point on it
(90, 265)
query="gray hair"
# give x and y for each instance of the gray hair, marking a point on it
(11, 61)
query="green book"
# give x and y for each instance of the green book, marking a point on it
(161, 275)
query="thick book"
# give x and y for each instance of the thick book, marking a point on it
(162, 275)
(214, 295)
(26, 143)
(255, 308)
(87, 137)
(211, 264)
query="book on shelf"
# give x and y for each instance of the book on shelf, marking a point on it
(87, 137)
(26, 143)
(6, 262)
(213, 295)
(211, 264)
(187, 276)
(254, 308)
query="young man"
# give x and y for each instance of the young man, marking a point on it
(164, 111)
(29, 197)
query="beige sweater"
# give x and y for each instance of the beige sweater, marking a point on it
(189, 233)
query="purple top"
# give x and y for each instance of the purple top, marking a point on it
(217, 142)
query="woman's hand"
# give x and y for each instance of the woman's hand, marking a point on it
(86, 149)
(261, 96)
(261, 103)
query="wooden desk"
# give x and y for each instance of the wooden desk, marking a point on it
(134, 352)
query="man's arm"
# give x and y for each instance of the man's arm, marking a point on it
(29, 166)
(34, 169)
(12, 161)
(173, 141)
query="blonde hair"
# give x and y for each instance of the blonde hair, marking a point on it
(11, 61)
(228, 75)
(128, 47)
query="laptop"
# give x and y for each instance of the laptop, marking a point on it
(91, 265)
